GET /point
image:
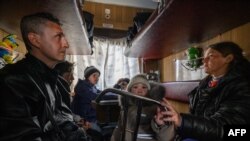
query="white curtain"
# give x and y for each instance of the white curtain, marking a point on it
(109, 58)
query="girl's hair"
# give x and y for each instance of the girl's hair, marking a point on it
(64, 67)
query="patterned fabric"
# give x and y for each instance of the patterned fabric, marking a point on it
(213, 83)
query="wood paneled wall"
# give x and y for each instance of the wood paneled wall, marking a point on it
(239, 35)
(150, 65)
(121, 16)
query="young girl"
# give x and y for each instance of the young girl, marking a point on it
(139, 85)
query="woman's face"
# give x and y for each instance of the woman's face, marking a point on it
(139, 89)
(215, 63)
(94, 78)
(69, 77)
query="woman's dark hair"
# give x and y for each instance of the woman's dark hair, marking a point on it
(64, 67)
(117, 85)
(239, 64)
(123, 80)
(126, 80)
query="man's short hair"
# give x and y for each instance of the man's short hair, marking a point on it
(33, 23)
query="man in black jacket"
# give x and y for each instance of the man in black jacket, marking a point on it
(31, 105)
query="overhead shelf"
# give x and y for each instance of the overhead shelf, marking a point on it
(68, 11)
(183, 22)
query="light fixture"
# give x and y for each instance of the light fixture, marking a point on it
(107, 13)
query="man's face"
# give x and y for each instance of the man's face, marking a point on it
(53, 43)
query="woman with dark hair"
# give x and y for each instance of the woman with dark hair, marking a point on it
(65, 71)
(122, 83)
(222, 98)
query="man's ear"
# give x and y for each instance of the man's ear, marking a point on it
(229, 58)
(34, 39)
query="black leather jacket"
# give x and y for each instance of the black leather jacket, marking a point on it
(23, 111)
(211, 108)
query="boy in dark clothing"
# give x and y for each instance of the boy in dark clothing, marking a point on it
(85, 92)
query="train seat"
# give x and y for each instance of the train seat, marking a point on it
(177, 93)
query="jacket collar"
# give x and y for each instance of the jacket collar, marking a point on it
(88, 83)
(39, 68)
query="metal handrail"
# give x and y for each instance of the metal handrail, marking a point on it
(125, 93)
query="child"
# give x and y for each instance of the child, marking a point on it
(85, 93)
(139, 85)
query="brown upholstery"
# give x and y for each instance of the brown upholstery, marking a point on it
(178, 90)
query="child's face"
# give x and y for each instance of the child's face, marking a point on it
(94, 78)
(139, 89)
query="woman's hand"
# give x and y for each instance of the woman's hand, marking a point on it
(159, 117)
(169, 115)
